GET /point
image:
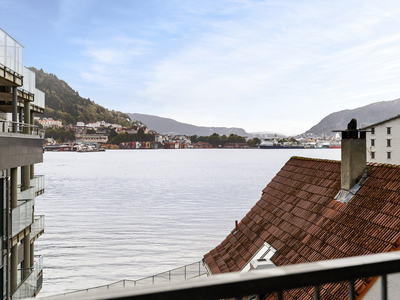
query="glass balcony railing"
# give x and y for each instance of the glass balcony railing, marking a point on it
(16, 127)
(11, 53)
(29, 81)
(37, 227)
(38, 184)
(21, 217)
(39, 99)
(28, 194)
(31, 285)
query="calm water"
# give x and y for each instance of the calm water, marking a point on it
(127, 214)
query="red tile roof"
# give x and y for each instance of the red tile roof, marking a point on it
(298, 216)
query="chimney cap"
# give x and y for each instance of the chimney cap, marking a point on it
(351, 126)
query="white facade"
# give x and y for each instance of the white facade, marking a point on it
(383, 141)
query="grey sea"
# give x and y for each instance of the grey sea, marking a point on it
(128, 214)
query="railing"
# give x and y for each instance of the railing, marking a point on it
(187, 272)
(29, 286)
(17, 127)
(11, 53)
(38, 184)
(27, 194)
(38, 226)
(21, 217)
(263, 282)
(39, 99)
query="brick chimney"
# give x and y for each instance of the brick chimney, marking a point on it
(354, 161)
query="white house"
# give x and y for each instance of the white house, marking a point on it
(383, 141)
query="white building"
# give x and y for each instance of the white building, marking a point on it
(383, 141)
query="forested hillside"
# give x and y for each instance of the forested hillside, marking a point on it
(63, 103)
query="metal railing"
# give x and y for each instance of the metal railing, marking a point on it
(29, 286)
(186, 272)
(17, 127)
(263, 282)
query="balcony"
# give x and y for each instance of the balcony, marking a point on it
(21, 216)
(18, 145)
(38, 184)
(32, 284)
(37, 228)
(39, 102)
(274, 282)
(11, 61)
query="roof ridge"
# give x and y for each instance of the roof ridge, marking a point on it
(315, 159)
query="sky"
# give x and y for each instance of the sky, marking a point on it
(264, 66)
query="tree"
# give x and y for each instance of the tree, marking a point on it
(254, 142)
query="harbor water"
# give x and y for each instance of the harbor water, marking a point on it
(128, 214)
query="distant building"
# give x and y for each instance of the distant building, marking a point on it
(50, 123)
(92, 138)
(383, 141)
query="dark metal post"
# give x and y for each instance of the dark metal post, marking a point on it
(279, 295)
(351, 290)
(384, 287)
(316, 292)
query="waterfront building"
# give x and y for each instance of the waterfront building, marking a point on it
(21, 147)
(383, 141)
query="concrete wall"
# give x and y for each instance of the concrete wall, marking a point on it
(19, 150)
(393, 288)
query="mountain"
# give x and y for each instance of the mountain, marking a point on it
(371, 113)
(170, 126)
(63, 103)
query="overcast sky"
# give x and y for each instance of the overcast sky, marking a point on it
(260, 65)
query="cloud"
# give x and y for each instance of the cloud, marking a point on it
(281, 58)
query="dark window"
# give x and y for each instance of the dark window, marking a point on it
(373, 130)
(388, 143)
(389, 130)
(389, 155)
(372, 142)
(373, 155)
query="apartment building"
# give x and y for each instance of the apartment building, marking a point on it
(383, 141)
(21, 147)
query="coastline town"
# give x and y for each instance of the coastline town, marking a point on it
(100, 136)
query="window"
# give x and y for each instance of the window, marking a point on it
(388, 130)
(373, 130)
(373, 155)
(388, 143)
(389, 155)
(372, 142)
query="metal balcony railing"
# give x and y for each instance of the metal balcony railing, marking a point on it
(186, 272)
(263, 282)
(17, 127)
(30, 285)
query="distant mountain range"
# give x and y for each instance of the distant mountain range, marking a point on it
(170, 126)
(64, 103)
(371, 113)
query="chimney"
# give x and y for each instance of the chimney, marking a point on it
(354, 161)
